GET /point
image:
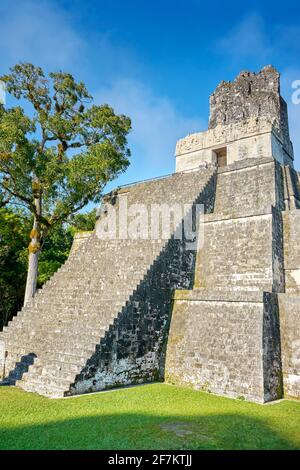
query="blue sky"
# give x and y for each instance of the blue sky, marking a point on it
(157, 61)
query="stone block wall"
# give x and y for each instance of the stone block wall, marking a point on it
(289, 305)
(243, 245)
(219, 342)
(253, 138)
(290, 342)
(278, 273)
(225, 333)
(291, 225)
(237, 253)
(248, 188)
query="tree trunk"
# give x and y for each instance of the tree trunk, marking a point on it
(34, 249)
(32, 275)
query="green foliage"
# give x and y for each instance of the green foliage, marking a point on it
(65, 153)
(55, 251)
(14, 227)
(56, 160)
(84, 221)
(156, 416)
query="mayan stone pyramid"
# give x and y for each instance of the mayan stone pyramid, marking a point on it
(222, 315)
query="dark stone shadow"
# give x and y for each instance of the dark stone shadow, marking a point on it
(20, 369)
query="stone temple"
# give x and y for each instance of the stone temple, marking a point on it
(224, 317)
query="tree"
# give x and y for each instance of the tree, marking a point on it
(58, 159)
(84, 221)
(55, 251)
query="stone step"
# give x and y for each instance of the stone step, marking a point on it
(57, 382)
(84, 301)
(47, 390)
(62, 346)
(95, 275)
(67, 287)
(58, 341)
(61, 367)
(122, 269)
(85, 323)
(92, 319)
(95, 312)
(91, 315)
(17, 349)
(61, 295)
(55, 368)
(52, 356)
(89, 321)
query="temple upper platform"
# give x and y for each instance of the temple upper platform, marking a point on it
(248, 119)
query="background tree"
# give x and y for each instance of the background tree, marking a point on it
(84, 221)
(58, 159)
(14, 228)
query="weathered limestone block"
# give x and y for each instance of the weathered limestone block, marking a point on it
(247, 188)
(230, 258)
(80, 239)
(250, 94)
(289, 307)
(226, 343)
(291, 226)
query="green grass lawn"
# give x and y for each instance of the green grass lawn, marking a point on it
(155, 416)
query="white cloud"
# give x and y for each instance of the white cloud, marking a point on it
(156, 122)
(287, 78)
(247, 39)
(38, 32)
(42, 33)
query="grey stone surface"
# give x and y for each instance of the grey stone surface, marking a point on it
(225, 346)
(290, 342)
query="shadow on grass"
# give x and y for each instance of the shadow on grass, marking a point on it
(137, 431)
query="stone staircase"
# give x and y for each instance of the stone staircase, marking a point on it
(62, 339)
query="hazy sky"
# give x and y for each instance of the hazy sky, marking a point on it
(157, 61)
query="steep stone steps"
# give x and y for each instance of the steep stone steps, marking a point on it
(101, 294)
(66, 357)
